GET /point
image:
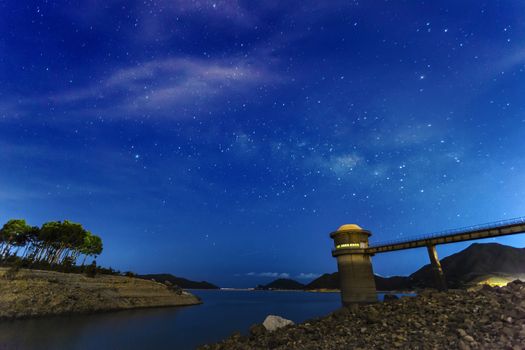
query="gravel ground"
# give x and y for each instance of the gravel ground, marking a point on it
(488, 318)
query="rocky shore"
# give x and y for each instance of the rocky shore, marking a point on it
(29, 293)
(487, 318)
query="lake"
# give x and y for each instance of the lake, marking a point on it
(222, 313)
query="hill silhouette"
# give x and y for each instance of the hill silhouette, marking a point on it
(284, 284)
(478, 262)
(178, 281)
(331, 281)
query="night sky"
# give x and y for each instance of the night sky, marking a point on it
(224, 140)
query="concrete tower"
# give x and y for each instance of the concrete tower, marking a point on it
(356, 277)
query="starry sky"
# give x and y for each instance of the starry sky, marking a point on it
(224, 140)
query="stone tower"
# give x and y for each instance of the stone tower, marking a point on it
(356, 277)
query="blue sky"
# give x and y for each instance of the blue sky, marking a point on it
(224, 140)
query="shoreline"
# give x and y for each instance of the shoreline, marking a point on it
(390, 292)
(331, 291)
(92, 312)
(39, 293)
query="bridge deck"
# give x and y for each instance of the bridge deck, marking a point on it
(494, 229)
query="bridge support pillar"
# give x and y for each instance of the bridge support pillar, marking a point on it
(356, 278)
(439, 278)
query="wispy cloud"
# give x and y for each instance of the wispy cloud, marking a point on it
(307, 276)
(160, 20)
(302, 275)
(269, 274)
(173, 87)
(338, 165)
(47, 189)
(164, 83)
(230, 10)
(11, 108)
(342, 164)
(512, 61)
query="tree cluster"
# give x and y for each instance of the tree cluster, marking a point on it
(55, 242)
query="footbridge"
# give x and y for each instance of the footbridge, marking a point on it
(353, 253)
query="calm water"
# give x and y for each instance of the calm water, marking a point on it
(222, 313)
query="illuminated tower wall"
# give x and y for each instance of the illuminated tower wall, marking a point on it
(355, 267)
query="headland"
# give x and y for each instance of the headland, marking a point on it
(31, 293)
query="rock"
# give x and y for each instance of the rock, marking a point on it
(486, 288)
(372, 316)
(516, 284)
(273, 343)
(272, 322)
(341, 312)
(257, 329)
(463, 346)
(236, 335)
(509, 332)
(461, 332)
(390, 297)
(455, 319)
(518, 313)
(468, 338)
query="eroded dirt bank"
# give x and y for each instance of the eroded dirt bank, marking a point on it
(37, 293)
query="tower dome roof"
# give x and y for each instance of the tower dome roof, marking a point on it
(348, 227)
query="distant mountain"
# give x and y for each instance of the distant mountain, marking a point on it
(326, 281)
(476, 262)
(178, 281)
(479, 262)
(331, 281)
(283, 284)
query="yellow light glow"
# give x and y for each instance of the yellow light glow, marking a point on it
(350, 227)
(347, 245)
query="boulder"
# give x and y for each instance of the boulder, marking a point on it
(272, 322)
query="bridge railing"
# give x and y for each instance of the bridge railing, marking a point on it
(438, 234)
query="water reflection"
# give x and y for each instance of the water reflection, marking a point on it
(116, 330)
(222, 313)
